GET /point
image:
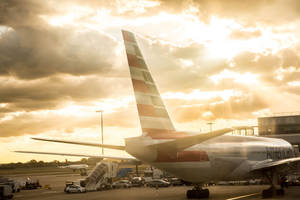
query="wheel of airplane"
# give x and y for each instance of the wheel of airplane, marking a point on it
(189, 194)
(206, 193)
(199, 194)
(280, 192)
(267, 193)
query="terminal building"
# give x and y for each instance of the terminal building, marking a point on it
(285, 126)
(279, 125)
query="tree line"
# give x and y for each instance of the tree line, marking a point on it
(55, 163)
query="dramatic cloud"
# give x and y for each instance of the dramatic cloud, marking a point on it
(30, 53)
(20, 95)
(236, 107)
(248, 11)
(187, 66)
(212, 60)
(63, 121)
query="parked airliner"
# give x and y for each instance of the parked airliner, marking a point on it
(81, 167)
(196, 158)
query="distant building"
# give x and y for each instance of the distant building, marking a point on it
(245, 130)
(285, 126)
(279, 125)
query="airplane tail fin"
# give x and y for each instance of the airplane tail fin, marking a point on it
(153, 115)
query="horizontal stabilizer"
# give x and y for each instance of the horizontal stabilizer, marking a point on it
(79, 155)
(289, 162)
(108, 146)
(183, 143)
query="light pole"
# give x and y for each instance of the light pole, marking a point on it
(210, 125)
(101, 112)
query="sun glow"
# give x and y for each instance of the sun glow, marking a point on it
(294, 83)
(73, 16)
(246, 78)
(108, 105)
(216, 34)
(202, 95)
(137, 6)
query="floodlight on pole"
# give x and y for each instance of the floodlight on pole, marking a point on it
(102, 140)
(210, 125)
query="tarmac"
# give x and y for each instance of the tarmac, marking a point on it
(57, 184)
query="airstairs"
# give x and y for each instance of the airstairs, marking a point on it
(100, 176)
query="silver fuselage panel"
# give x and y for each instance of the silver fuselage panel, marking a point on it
(228, 157)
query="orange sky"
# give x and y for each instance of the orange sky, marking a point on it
(223, 61)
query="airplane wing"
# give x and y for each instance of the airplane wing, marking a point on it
(289, 162)
(117, 147)
(183, 143)
(80, 155)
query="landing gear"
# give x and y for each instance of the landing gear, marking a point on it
(268, 193)
(272, 191)
(197, 193)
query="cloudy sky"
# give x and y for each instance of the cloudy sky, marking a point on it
(223, 61)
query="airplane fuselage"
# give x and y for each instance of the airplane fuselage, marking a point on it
(226, 157)
(76, 167)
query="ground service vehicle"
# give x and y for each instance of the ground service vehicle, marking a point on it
(175, 181)
(5, 192)
(122, 184)
(100, 178)
(152, 173)
(158, 183)
(74, 189)
(137, 182)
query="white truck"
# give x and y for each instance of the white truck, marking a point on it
(152, 173)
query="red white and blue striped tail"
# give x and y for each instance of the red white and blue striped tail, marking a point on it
(153, 115)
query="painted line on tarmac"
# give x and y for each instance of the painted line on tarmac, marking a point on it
(49, 192)
(244, 196)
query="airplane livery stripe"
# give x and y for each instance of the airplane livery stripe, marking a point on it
(128, 36)
(156, 122)
(147, 77)
(142, 98)
(160, 112)
(130, 48)
(139, 86)
(136, 74)
(141, 75)
(146, 110)
(182, 156)
(143, 87)
(151, 109)
(133, 61)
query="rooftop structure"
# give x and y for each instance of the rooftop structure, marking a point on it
(279, 124)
